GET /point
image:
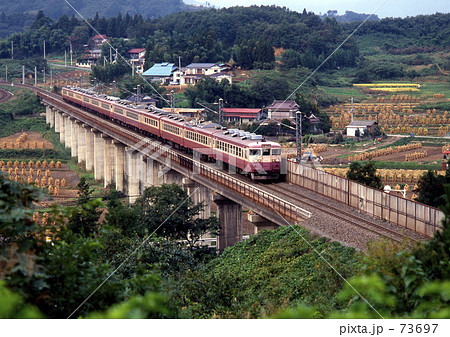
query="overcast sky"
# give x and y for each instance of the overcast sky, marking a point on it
(391, 8)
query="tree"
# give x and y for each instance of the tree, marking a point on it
(168, 211)
(431, 188)
(45, 273)
(365, 174)
(84, 218)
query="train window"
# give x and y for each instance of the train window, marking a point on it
(276, 152)
(266, 152)
(132, 115)
(105, 106)
(70, 94)
(85, 99)
(255, 152)
(95, 102)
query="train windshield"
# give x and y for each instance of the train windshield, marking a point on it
(255, 152)
(266, 152)
(276, 152)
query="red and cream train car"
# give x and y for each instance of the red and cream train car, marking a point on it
(249, 153)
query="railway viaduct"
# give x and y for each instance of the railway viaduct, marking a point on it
(131, 162)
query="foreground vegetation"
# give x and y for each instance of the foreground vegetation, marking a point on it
(282, 273)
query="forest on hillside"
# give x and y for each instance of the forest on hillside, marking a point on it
(88, 8)
(244, 35)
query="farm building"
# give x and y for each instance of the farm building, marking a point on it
(361, 126)
(241, 115)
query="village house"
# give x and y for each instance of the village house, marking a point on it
(161, 72)
(98, 40)
(137, 59)
(361, 126)
(188, 112)
(241, 115)
(90, 58)
(313, 123)
(194, 72)
(280, 110)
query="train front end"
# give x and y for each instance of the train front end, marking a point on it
(264, 160)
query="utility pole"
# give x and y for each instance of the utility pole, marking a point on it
(298, 135)
(221, 111)
(12, 50)
(51, 79)
(114, 86)
(43, 79)
(132, 69)
(65, 58)
(71, 52)
(110, 55)
(35, 76)
(172, 101)
(23, 74)
(351, 111)
(44, 49)
(6, 73)
(179, 68)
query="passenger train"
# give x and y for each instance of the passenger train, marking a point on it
(247, 152)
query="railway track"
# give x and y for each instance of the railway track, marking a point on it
(285, 189)
(5, 95)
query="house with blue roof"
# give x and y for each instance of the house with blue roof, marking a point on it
(161, 72)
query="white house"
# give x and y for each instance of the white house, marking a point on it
(194, 72)
(361, 126)
(137, 59)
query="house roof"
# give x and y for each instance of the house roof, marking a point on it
(136, 50)
(185, 110)
(201, 65)
(241, 113)
(160, 69)
(103, 37)
(313, 119)
(283, 105)
(362, 123)
(219, 74)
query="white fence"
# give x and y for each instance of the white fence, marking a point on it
(418, 217)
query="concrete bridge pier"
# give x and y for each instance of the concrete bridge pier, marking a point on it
(119, 165)
(47, 113)
(98, 156)
(230, 218)
(132, 180)
(172, 177)
(57, 120)
(62, 134)
(108, 157)
(199, 193)
(52, 117)
(74, 138)
(89, 135)
(261, 223)
(81, 131)
(68, 131)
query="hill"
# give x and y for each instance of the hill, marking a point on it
(18, 15)
(88, 8)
